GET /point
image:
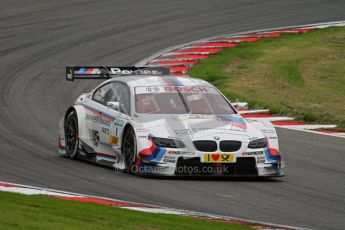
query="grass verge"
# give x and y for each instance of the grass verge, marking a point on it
(295, 75)
(41, 212)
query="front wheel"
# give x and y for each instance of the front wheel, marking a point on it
(72, 135)
(129, 148)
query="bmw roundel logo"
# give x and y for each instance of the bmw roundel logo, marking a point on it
(216, 138)
(150, 89)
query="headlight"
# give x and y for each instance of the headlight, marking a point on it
(167, 143)
(258, 143)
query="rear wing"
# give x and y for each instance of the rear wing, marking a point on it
(100, 72)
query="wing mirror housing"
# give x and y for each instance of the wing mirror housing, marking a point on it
(114, 105)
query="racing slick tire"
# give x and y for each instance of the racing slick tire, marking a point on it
(72, 135)
(129, 147)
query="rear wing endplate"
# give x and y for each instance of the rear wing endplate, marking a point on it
(100, 72)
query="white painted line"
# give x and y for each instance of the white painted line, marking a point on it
(338, 134)
(271, 119)
(309, 127)
(29, 191)
(254, 111)
(45, 191)
(157, 210)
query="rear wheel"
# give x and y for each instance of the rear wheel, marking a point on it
(72, 135)
(129, 147)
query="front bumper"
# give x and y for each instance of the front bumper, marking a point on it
(243, 167)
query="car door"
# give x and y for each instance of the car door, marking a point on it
(110, 122)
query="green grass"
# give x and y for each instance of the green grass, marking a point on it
(295, 75)
(42, 212)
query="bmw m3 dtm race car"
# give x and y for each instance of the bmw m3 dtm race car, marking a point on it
(146, 122)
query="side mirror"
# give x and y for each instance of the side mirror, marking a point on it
(114, 105)
(240, 105)
(236, 106)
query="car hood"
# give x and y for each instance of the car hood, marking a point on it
(190, 127)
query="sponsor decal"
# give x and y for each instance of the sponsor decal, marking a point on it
(120, 71)
(139, 70)
(174, 89)
(186, 89)
(241, 131)
(221, 130)
(169, 159)
(199, 129)
(105, 130)
(196, 116)
(95, 135)
(141, 130)
(113, 140)
(255, 153)
(119, 122)
(260, 160)
(219, 157)
(98, 120)
(179, 153)
(182, 132)
(142, 137)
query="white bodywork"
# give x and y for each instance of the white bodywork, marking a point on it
(101, 130)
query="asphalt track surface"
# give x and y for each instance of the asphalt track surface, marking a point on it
(39, 38)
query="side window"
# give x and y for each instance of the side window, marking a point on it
(122, 95)
(103, 94)
(115, 91)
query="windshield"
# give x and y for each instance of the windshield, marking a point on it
(180, 100)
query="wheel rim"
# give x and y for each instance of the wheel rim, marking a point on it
(71, 135)
(129, 146)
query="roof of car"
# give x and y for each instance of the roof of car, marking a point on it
(162, 80)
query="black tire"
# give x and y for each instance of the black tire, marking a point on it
(72, 135)
(129, 148)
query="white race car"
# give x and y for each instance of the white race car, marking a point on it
(145, 123)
